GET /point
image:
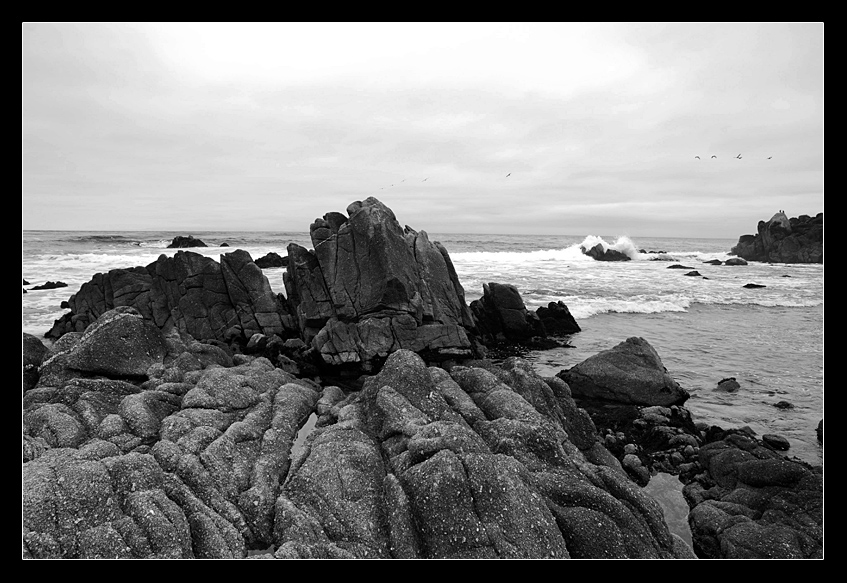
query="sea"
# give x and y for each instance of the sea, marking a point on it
(705, 327)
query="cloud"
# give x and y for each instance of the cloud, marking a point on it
(266, 126)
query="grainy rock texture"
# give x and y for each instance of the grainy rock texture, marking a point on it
(196, 458)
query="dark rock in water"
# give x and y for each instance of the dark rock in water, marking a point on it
(714, 262)
(185, 241)
(735, 261)
(631, 373)
(557, 319)
(272, 260)
(501, 316)
(694, 273)
(784, 240)
(819, 431)
(777, 442)
(224, 245)
(783, 405)
(600, 253)
(26, 282)
(753, 285)
(749, 502)
(729, 385)
(678, 266)
(51, 285)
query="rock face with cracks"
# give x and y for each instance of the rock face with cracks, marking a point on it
(196, 459)
(226, 301)
(370, 288)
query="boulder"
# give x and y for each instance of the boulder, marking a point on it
(728, 385)
(34, 353)
(501, 316)
(784, 240)
(557, 319)
(119, 344)
(631, 372)
(185, 241)
(600, 253)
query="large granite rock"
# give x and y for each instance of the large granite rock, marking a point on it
(370, 288)
(631, 373)
(784, 240)
(227, 301)
(501, 316)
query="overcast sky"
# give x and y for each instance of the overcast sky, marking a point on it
(551, 128)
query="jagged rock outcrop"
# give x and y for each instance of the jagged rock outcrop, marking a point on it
(630, 373)
(784, 240)
(370, 288)
(196, 459)
(557, 319)
(468, 468)
(500, 315)
(227, 301)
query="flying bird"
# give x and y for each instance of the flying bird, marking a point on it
(739, 156)
(509, 174)
(714, 156)
(769, 157)
(698, 157)
(425, 179)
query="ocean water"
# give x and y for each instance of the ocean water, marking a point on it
(704, 328)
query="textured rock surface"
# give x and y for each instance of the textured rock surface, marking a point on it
(631, 372)
(750, 502)
(370, 288)
(501, 316)
(225, 301)
(197, 459)
(784, 240)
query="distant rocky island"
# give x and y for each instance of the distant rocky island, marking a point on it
(784, 240)
(163, 421)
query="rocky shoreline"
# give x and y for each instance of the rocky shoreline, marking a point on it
(784, 240)
(162, 421)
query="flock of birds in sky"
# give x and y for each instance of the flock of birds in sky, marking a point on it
(424, 180)
(737, 157)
